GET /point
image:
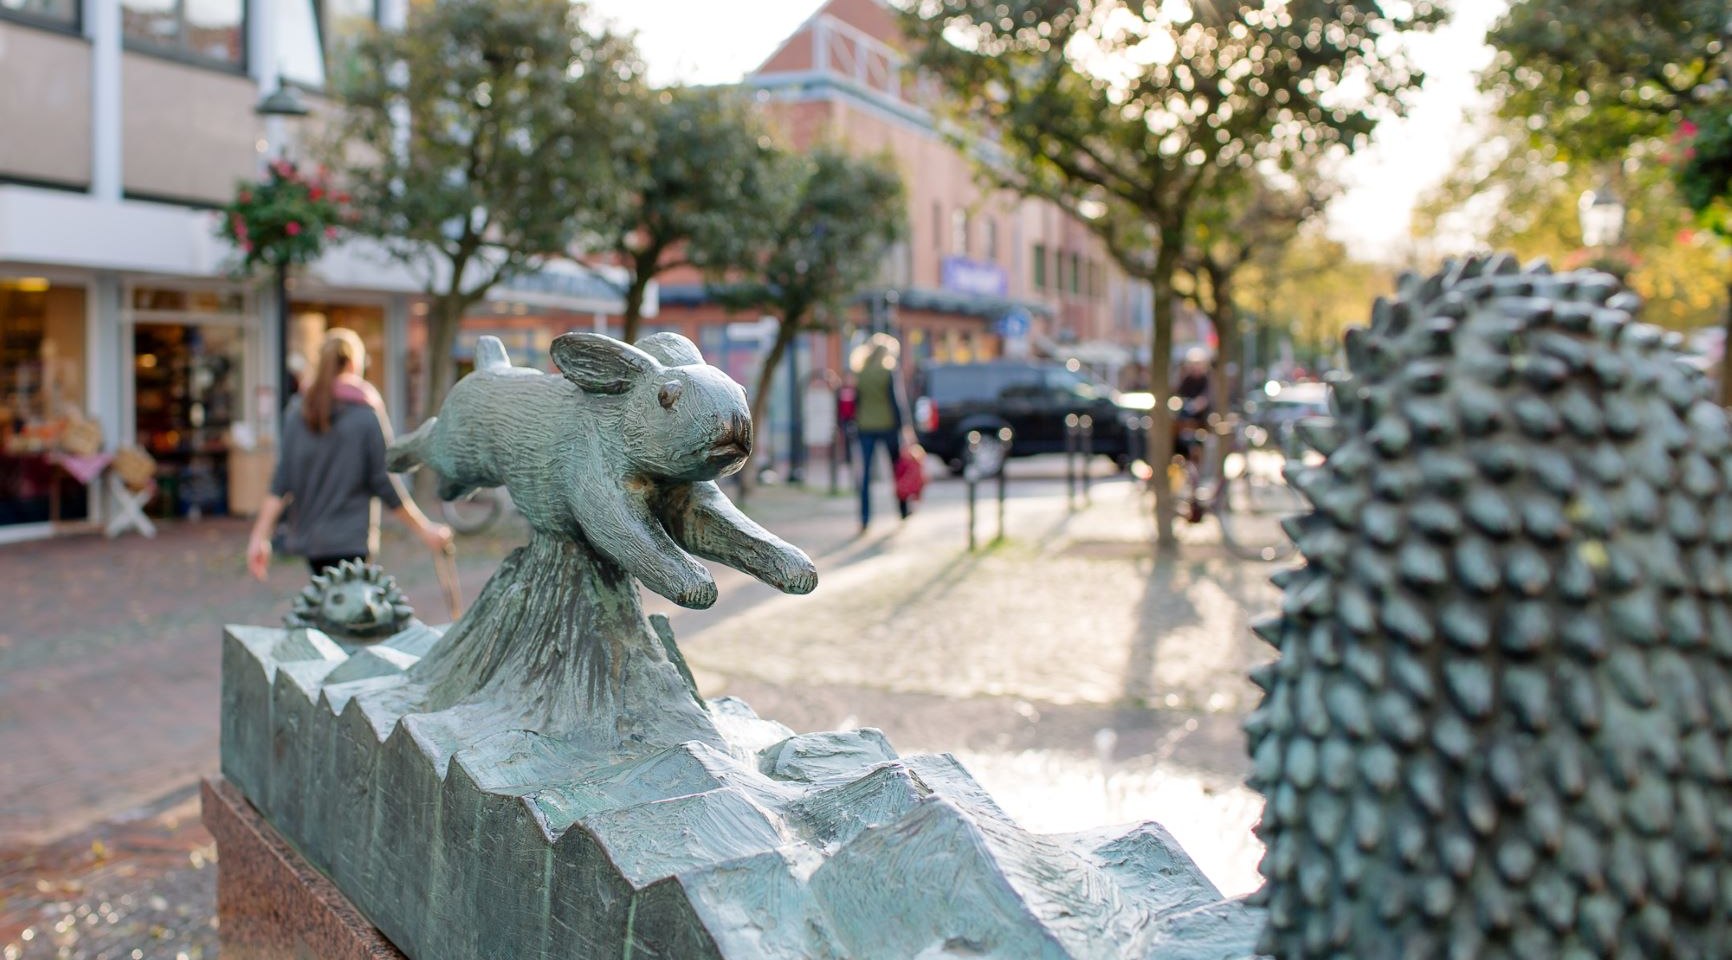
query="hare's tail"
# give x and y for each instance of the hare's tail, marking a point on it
(408, 452)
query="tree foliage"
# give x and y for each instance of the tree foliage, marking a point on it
(703, 187)
(1138, 116)
(477, 141)
(828, 245)
(1508, 193)
(1594, 76)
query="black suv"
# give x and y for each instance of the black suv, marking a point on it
(1029, 397)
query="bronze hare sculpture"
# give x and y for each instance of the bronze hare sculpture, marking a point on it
(623, 451)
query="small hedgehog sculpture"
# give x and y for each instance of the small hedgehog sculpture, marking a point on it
(1499, 721)
(352, 600)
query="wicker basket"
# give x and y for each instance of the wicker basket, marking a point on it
(135, 468)
(82, 437)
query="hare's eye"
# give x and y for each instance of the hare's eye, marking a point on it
(669, 394)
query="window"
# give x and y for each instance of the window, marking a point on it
(1075, 270)
(53, 12)
(1058, 265)
(1040, 266)
(938, 226)
(992, 239)
(959, 231)
(212, 31)
(314, 38)
(1094, 279)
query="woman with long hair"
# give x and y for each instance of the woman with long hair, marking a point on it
(880, 414)
(331, 473)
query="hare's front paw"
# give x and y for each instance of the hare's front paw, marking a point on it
(799, 576)
(698, 596)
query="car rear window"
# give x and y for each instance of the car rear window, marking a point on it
(957, 384)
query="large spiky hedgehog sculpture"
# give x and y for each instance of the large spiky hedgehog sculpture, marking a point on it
(1499, 722)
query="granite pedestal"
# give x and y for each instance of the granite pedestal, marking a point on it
(273, 905)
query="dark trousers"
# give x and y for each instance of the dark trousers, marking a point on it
(320, 564)
(870, 441)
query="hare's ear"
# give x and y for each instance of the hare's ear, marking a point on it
(671, 349)
(600, 364)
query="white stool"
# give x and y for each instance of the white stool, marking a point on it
(128, 509)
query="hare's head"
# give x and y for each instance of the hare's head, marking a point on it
(679, 418)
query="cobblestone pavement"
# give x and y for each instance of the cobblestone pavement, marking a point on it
(1080, 679)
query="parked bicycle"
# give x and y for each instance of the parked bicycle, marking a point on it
(1237, 476)
(477, 510)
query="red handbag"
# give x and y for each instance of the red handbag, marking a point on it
(910, 473)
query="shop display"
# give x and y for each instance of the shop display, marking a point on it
(187, 379)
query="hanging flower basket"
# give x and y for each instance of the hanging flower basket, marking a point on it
(285, 219)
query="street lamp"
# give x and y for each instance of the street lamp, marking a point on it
(1602, 217)
(278, 106)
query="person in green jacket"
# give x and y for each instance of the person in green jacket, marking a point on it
(880, 414)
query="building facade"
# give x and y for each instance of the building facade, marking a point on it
(983, 273)
(127, 123)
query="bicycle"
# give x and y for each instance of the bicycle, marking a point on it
(477, 510)
(1244, 488)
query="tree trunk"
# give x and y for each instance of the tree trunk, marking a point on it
(1224, 314)
(785, 332)
(443, 321)
(1160, 384)
(634, 298)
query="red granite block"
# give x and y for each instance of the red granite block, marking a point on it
(272, 904)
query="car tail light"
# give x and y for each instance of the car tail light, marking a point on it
(926, 415)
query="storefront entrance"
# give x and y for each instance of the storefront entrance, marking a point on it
(188, 395)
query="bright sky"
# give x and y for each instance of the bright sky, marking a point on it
(705, 41)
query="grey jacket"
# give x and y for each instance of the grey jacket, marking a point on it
(332, 480)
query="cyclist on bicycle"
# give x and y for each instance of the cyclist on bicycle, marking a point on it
(1194, 392)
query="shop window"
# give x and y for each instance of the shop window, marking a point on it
(187, 397)
(209, 31)
(41, 395)
(315, 38)
(61, 13)
(1040, 266)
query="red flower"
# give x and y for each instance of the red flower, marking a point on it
(248, 247)
(316, 193)
(1687, 128)
(330, 233)
(342, 198)
(246, 196)
(293, 228)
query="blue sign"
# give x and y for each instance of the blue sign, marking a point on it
(973, 276)
(1013, 325)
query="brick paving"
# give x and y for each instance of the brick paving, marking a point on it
(1080, 679)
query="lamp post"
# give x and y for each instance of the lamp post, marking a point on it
(277, 107)
(1601, 213)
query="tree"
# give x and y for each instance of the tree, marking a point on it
(475, 141)
(1594, 77)
(831, 241)
(1255, 222)
(703, 188)
(1135, 116)
(1606, 83)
